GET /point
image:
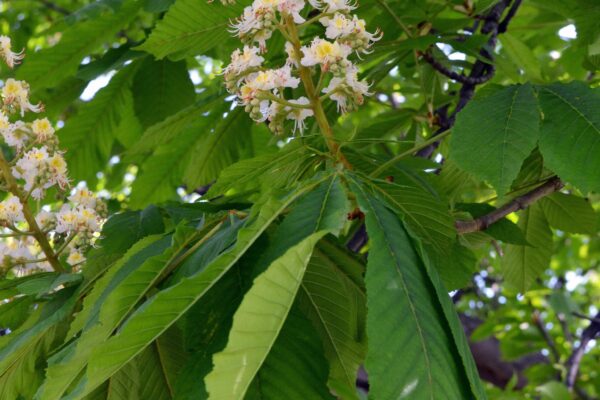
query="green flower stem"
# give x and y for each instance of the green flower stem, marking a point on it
(313, 96)
(36, 232)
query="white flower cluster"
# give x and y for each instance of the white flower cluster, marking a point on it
(36, 166)
(263, 90)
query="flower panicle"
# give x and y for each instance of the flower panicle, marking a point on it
(38, 165)
(262, 91)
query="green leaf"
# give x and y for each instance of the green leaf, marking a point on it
(89, 135)
(190, 28)
(218, 149)
(569, 213)
(425, 215)
(164, 308)
(48, 67)
(277, 169)
(295, 367)
(523, 264)
(337, 307)
(14, 313)
(208, 109)
(258, 322)
(405, 317)
(494, 135)
(570, 135)
(120, 292)
(161, 88)
(522, 56)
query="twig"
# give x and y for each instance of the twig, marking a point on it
(493, 27)
(539, 323)
(587, 335)
(519, 203)
(467, 80)
(55, 7)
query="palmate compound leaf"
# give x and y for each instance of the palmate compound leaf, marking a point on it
(158, 313)
(190, 28)
(320, 211)
(405, 318)
(494, 135)
(523, 264)
(570, 134)
(258, 322)
(119, 292)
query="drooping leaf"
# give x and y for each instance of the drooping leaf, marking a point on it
(116, 295)
(570, 134)
(295, 367)
(164, 308)
(405, 317)
(190, 28)
(336, 305)
(493, 135)
(569, 213)
(258, 322)
(523, 264)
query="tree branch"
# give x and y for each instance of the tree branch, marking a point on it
(587, 335)
(467, 80)
(519, 203)
(493, 26)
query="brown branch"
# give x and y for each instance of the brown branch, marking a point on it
(587, 335)
(467, 80)
(519, 203)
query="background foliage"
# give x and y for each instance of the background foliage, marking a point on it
(475, 170)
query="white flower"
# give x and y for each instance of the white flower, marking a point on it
(337, 5)
(293, 8)
(6, 52)
(15, 135)
(4, 122)
(338, 26)
(45, 219)
(347, 91)
(42, 128)
(325, 53)
(87, 220)
(272, 79)
(298, 115)
(83, 197)
(293, 57)
(11, 210)
(58, 170)
(66, 220)
(244, 60)
(75, 258)
(17, 92)
(283, 78)
(366, 39)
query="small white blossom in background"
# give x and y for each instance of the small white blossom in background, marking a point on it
(11, 58)
(263, 91)
(38, 165)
